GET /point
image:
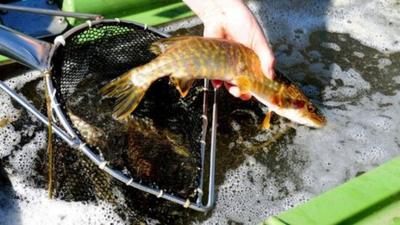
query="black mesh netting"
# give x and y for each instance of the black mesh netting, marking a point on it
(159, 146)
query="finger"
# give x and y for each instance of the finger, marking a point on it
(245, 97)
(267, 61)
(228, 85)
(232, 89)
(216, 83)
(261, 47)
(267, 64)
(235, 91)
(213, 30)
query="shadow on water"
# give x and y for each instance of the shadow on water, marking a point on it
(9, 210)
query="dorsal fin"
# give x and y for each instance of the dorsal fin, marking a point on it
(164, 44)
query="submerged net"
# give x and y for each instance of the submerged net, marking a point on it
(159, 146)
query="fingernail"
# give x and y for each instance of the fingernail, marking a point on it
(216, 83)
(235, 91)
(271, 74)
(245, 97)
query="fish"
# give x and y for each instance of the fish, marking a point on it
(186, 58)
(92, 134)
(146, 149)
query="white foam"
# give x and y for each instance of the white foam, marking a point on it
(360, 135)
(331, 45)
(34, 207)
(359, 54)
(331, 163)
(9, 139)
(257, 193)
(31, 205)
(7, 111)
(374, 23)
(23, 159)
(384, 62)
(353, 84)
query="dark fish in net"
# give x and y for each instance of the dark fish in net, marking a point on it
(158, 146)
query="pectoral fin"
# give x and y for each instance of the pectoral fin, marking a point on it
(266, 122)
(243, 83)
(279, 97)
(182, 85)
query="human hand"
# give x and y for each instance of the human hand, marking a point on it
(232, 20)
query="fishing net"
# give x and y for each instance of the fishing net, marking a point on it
(159, 146)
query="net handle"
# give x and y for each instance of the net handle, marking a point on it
(24, 49)
(49, 12)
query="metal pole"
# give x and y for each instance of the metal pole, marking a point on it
(213, 151)
(49, 12)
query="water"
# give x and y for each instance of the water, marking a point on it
(345, 55)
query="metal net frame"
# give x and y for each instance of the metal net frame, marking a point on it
(60, 85)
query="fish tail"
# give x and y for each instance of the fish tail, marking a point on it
(127, 93)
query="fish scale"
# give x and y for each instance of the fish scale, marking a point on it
(187, 58)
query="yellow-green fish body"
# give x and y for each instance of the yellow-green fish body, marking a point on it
(185, 59)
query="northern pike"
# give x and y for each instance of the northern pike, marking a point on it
(187, 58)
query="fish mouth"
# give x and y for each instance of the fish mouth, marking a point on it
(317, 121)
(310, 119)
(311, 122)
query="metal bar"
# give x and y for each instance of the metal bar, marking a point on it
(36, 113)
(127, 180)
(57, 110)
(213, 150)
(24, 49)
(203, 140)
(49, 12)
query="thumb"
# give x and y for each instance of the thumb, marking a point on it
(265, 54)
(216, 83)
(213, 31)
(267, 64)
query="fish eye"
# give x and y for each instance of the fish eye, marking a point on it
(310, 108)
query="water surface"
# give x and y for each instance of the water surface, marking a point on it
(344, 55)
